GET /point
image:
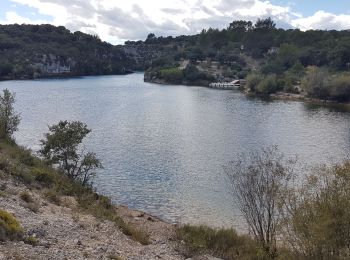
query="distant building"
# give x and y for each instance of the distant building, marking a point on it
(54, 68)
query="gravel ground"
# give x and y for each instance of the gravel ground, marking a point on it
(63, 232)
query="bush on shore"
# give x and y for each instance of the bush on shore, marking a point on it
(268, 85)
(318, 223)
(319, 83)
(225, 243)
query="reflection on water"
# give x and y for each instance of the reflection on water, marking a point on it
(164, 147)
(331, 107)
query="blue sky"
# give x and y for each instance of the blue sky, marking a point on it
(25, 11)
(22, 10)
(119, 20)
(309, 7)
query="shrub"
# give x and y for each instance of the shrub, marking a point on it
(44, 176)
(268, 85)
(30, 240)
(30, 202)
(10, 229)
(314, 82)
(53, 197)
(101, 207)
(257, 182)
(320, 84)
(172, 75)
(339, 86)
(25, 157)
(25, 196)
(33, 206)
(4, 165)
(23, 176)
(253, 80)
(319, 221)
(219, 242)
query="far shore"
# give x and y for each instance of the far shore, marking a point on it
(276, 96)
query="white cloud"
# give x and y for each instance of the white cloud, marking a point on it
(324, 21)
(119, 20)
(12, 17)
(55, 10)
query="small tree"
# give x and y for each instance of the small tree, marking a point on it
(9, 119)
(257, 184)
(62, 146)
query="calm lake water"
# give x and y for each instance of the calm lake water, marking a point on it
(164, 147)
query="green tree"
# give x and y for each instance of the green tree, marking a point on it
(265, 24)
(62, 146)
(191, 72)
(288, 55)
(240, 26)
(9, 119)
(297, 70)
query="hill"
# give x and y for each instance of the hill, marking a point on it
(316, 62)
(31, 51)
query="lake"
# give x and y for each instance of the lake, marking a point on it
(164, 147)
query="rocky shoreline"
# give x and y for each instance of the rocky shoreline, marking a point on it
(64, 232)
(61, 230)
(303, 98)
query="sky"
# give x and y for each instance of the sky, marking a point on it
(116, 21)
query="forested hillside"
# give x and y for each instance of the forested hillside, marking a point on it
(271, 59)
(29, 51)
